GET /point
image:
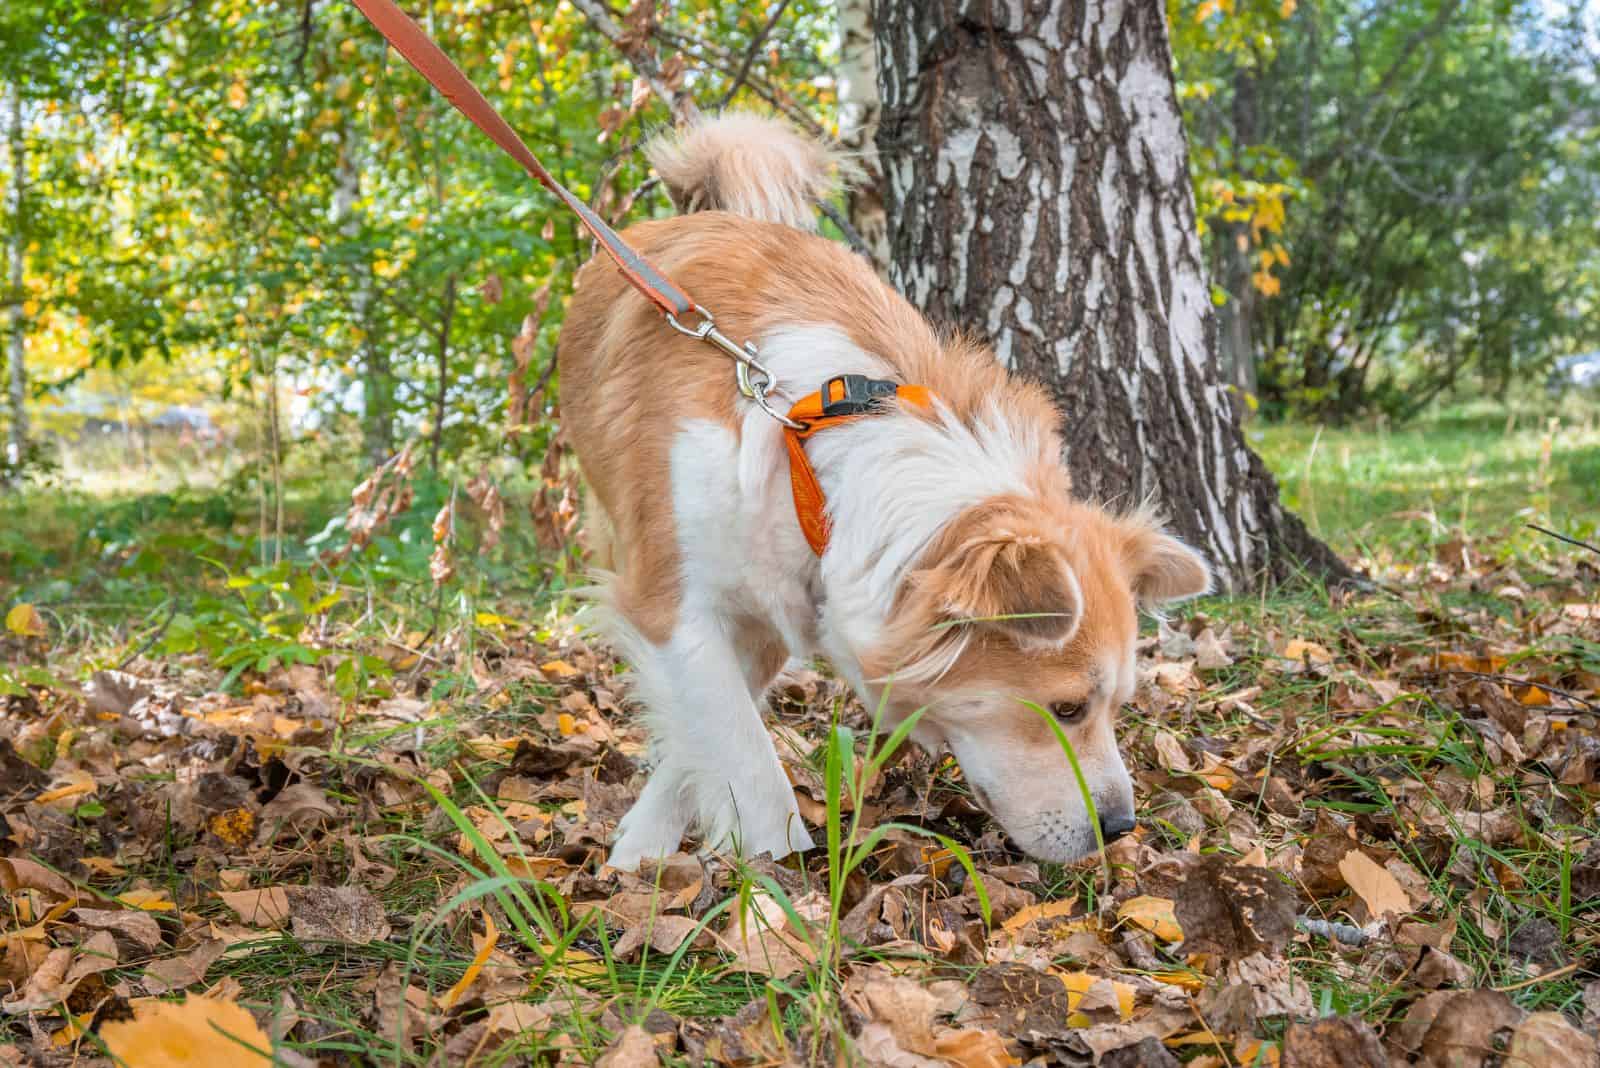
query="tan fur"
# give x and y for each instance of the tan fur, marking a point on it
(745, 164)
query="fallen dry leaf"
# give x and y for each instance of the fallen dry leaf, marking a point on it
(634, 1048)
(490, 938)
(1379, 890)
(342, 914)
(1154, 914)
(1298, 650)
(133, 925)
(1233, 910)
(1333, 1042)
(1547, 1040)
(197, 1032)
(185, 970)
(1457, 1028)
(259, 908)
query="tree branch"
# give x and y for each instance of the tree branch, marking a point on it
(639, 57)
(754, 50)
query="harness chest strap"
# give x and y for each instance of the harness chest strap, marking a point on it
(842, 399)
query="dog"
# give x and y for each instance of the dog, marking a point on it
(959, 577)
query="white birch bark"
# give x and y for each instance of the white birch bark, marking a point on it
(1038, 194)
(17, 389)
(858, 126)
(377, 385)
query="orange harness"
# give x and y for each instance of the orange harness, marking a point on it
(842, 399)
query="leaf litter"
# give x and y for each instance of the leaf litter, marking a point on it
(1368, 836)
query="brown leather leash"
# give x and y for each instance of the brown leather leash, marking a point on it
(841, 399)
(675, 305)
(429, 59)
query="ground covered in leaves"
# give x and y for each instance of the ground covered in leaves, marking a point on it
(1368, 835)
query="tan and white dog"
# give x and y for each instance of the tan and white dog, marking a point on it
(961, 576)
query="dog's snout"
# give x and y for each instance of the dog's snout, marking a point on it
(1114, 826)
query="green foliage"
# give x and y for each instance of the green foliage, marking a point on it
(267, 193)
(1438, 167)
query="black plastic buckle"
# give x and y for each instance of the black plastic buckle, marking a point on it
(859, 394)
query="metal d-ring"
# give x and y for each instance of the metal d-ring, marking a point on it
(752, 376)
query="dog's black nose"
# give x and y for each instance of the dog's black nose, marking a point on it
(1114, 827)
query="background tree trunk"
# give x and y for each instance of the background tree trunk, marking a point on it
(17, 391)
(377, 377)
(858, 126)
(1037, 184)
(1237, 317)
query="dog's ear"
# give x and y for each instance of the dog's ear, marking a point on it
(1164, 569)
(996, 567)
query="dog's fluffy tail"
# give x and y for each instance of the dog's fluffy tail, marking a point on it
(744, 163)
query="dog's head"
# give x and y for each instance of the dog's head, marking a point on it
(1022, 606)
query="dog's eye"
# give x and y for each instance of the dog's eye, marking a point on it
(1069, 711)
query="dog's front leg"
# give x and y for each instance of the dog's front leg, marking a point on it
(715, 762)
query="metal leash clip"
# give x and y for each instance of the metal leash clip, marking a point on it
(753, 377)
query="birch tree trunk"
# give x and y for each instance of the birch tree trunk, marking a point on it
(1038, 193)
(1237, 317)
(858, 126)
(16, 358)
(377, 377)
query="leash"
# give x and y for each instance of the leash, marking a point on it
(842, 399)
(672, 302)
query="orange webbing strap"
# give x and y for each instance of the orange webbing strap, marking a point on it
(411, 42)
(831, 405)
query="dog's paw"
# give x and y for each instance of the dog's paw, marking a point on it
(649, 831)
(633, 847)
(770, 825)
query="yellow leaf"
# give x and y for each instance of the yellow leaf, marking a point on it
(1286, 8)
(559, 669)
(199, 1032)
(1050, 910)
(938, 861)
(970, 1047)
(566, 724)
(24, 619)
(1078, 984)
(491, 936)
(219, 154)
(77, 1027)
(81, 782)
(1154, 914)
(1302, 650)
(237, 97)
(1189, 981)
(148, 900)
(1255, 1052)
(1267, 284)
(237, 826)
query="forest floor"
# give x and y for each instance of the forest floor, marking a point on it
(319, 811)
